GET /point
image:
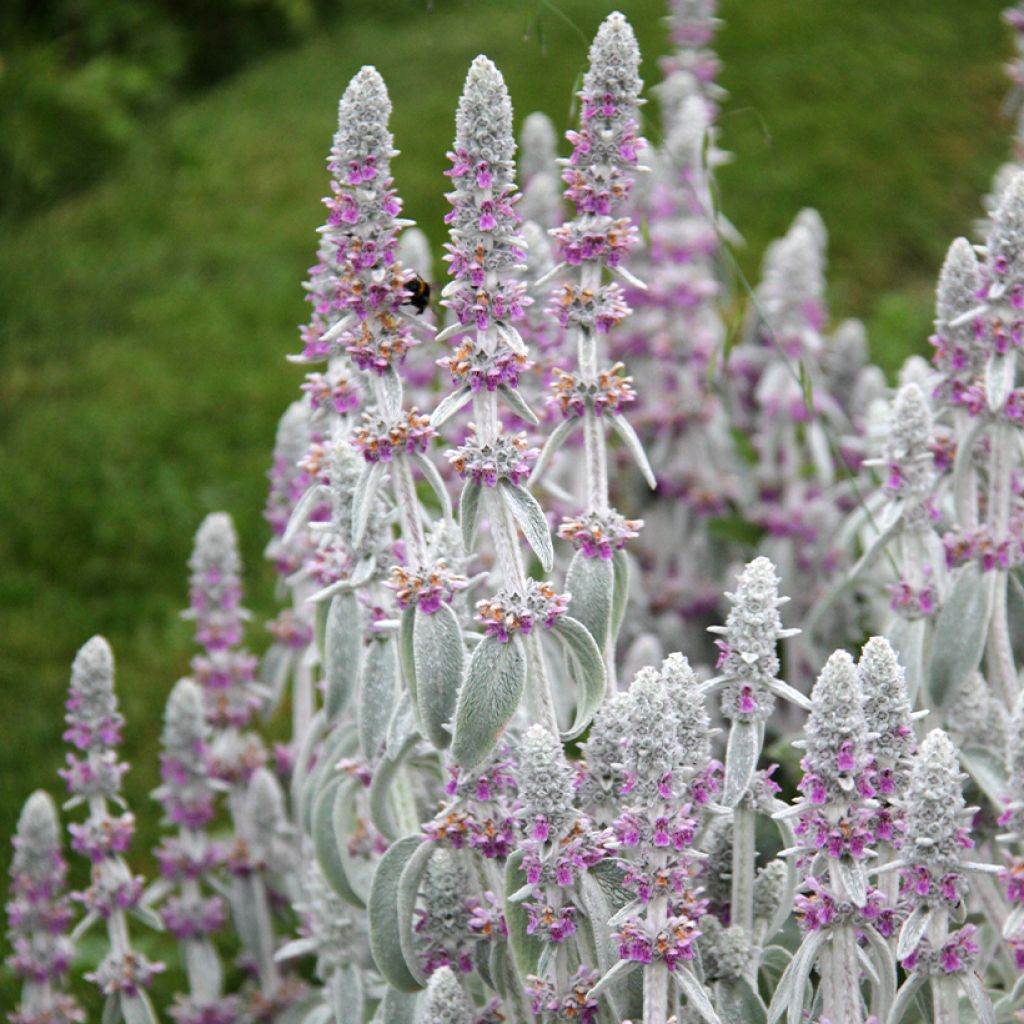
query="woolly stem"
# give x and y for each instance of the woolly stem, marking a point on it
(945, 1001)
(595, 459)
(656, 976)
(966, 495)
(840, 974)
(1000, 652)
(741, 902)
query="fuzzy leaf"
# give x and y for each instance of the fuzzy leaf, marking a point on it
(523, 506)
(482, 960)
(401, 728)
(881, 955)
(1015, 613)
(619, 972)
(342, 648)
(300, 513)
(696, 994)
(137, 1009)
(358, 870)
(555, 440)
(382, 788)
(344, 993)
(986, 767)
(433, 477)
(611, 878)
(590, 673)
(788, 996)
(739, 1003)
(625, 430)
(907, 637)
(912, 931)
(958, 640)
(908, 991)
(598, 913)
(364, 498)
(979, 998)
(382, 910)
(326, 841)
(517, 404)
(342, 742)
(438, 656)
(202, 963)
(407, 655)
(851, 873)
(391, 393)
(378, 691)
(741, 755)
(408, 889)
(526, 949)
(275, 667)
(499, 967)
(450, 405)
(488, 698)
(469, 513)
(999, 378)
(591, 584)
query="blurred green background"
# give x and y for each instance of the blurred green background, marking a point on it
(161, 163)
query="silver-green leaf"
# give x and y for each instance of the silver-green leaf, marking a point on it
(588, 662)
(469, 512)
(378, 691)
(517, 404)
(438, 656)
(488, 698)
(591, 585)
(382, 911)
(960, 633)
(450, 405)
(326, 842)
(528, 514)
(742, 750)
(625, 430)
(342, 648)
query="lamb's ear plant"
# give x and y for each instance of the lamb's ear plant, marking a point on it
(192, 911)
(38, 915)
(471, 821)
(93, 776)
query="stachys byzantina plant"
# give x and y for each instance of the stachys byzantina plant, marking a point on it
(487, 808)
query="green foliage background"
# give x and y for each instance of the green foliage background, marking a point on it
(144, 320)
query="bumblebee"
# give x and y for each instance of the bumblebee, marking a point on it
(419, 294)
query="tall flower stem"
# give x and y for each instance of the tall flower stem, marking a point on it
(744, 856)
(1000, 652)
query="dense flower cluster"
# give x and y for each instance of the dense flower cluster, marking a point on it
(38, 916)
(379, 439)
(599, 534)
(425, 587)
(511, 611)
(358, 288)
(471, 365)
(508, 457)
(485, 243)
(610, 391)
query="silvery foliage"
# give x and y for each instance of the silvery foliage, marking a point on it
(474, 821)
